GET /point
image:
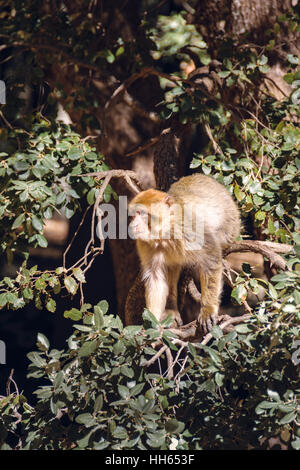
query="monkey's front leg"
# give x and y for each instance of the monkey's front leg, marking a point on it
(211, 286)
(156, 291)
(173, 274)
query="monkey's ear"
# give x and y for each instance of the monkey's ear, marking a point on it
(169, 200)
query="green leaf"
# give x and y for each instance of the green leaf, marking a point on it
(51, 305)
(42, 342)
(293, 59)
(78, 273)
(137, 389)
(98, 404)
(271, 227)
(40, 284)
(103, 305)
(273, 395)
(27, 293)
(48, 213)
(37, 223)
(219, 378)
(98, 318)
(36, 359)
(91, 196)
(238, 193)
(42, 241)
(124, 392)
(149, 317)
(88, 348)
(239, 293)
(125, 370)
(85, 418)
(289, 78)
(272, 291)
(71, 285)
(288, 418)
(91, 156)
(69, 212)
(18, 221)
(75, 153)
(224, 73)
(109, 56)
(214, 355)
(243, 329)
(260, 215)
(265, 405)
(174, 427)
(263, 60)
(59, 270)
(60, 198)
(296, 444)
(59, 379)
(73, 314)
(3, 300)
(216, 332)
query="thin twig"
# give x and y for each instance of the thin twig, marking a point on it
(156, 356)
(170, 371)
(208, 131)
(143, 147)
(74, 236)
(9, 380)
(116, 174)
(231, 321)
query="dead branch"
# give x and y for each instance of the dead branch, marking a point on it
(133, 183)
(9, 381)
(131, 177)
(143, 147)
(215, 145)
(156, 356)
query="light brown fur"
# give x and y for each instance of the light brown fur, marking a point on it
(163, 256)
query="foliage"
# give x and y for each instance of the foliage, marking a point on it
(236, 392)
(266, 187)
(42, 177)
(171, 35)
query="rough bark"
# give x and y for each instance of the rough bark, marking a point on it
(237, 17)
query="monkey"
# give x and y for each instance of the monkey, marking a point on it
(189, 225)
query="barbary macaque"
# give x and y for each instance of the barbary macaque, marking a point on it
(189, 225)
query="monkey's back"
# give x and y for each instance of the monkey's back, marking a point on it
(215, 204)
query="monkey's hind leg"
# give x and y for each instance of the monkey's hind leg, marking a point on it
(211, 286)
(173, 273)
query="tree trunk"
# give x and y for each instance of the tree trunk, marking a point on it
(237, 17)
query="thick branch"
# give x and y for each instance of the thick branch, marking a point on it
(267, 249)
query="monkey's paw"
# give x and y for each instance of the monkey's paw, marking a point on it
(177, 320)
(207, 321)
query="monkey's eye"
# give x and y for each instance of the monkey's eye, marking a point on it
(141, 212)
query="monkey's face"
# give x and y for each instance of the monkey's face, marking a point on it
(150, 223)
(139, 225)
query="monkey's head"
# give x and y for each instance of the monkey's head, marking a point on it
(151, 212)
